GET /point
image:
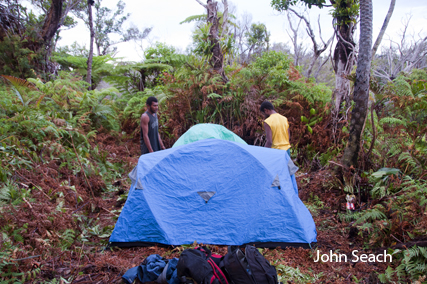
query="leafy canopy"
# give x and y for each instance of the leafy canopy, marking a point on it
(282, 5)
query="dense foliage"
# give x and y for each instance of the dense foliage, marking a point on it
(65, 151)
(57, 124)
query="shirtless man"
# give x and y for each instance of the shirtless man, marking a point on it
(150, 137)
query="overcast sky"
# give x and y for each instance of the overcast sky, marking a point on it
(164, 17)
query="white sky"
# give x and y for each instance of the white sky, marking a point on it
(165, 15)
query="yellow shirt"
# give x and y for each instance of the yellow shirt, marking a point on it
(279, 129)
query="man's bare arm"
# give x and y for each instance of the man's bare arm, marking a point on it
(161, 143)
(268, 136)
(144, 128)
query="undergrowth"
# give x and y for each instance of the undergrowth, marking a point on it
(63, 156)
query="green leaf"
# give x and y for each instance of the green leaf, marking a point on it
(312, 111)
(385, 171)
(312, 122)
(214, 95)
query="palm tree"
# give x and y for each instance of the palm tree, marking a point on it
(361, 86)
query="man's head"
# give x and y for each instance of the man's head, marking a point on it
(152, 105)
(267, 109)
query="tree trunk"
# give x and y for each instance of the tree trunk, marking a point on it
(92, 36)
(217, 59)
(361, 86)
(225, 17)
(343, 64)
(383, 28)
(98, 48)
(52, 21)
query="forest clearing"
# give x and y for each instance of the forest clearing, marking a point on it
(70, 135)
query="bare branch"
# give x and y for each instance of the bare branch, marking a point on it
(70, 5)
(320, 30)
(321, 66)
(317, 51)
(398, 58)
(309, 29)
(405, 28)
(205, 6)
(294, 38)
(383, 28)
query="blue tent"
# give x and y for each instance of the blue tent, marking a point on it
(214, 192)
(207, 131)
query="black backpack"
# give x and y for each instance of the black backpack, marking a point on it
(250, 267)
(197, 266)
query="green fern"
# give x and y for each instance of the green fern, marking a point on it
(349, 216)
(413, 263)
(402, 87)
(392, 120)
(294, 275)
(387, 276)
(372, 214)
(67, 239)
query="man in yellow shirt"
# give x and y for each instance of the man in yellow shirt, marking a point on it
(276, 128)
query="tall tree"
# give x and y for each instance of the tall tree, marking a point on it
(67, 5)
(257, 39)
(299, 49)
(344, 16)
(29, 36)
(317, 49)
(92, 36)
(217, 59)
(361, 86)
(383, 28)
(52, 20)
(107, 22)
(239, 31)
(345, 13)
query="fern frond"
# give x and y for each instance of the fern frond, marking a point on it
(402, 87)
(193, 18)
(371, 214)
(410, 160)
(393, 120)
(18, 82)
(157, 66)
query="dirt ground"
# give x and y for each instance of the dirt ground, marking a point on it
(88, 262)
